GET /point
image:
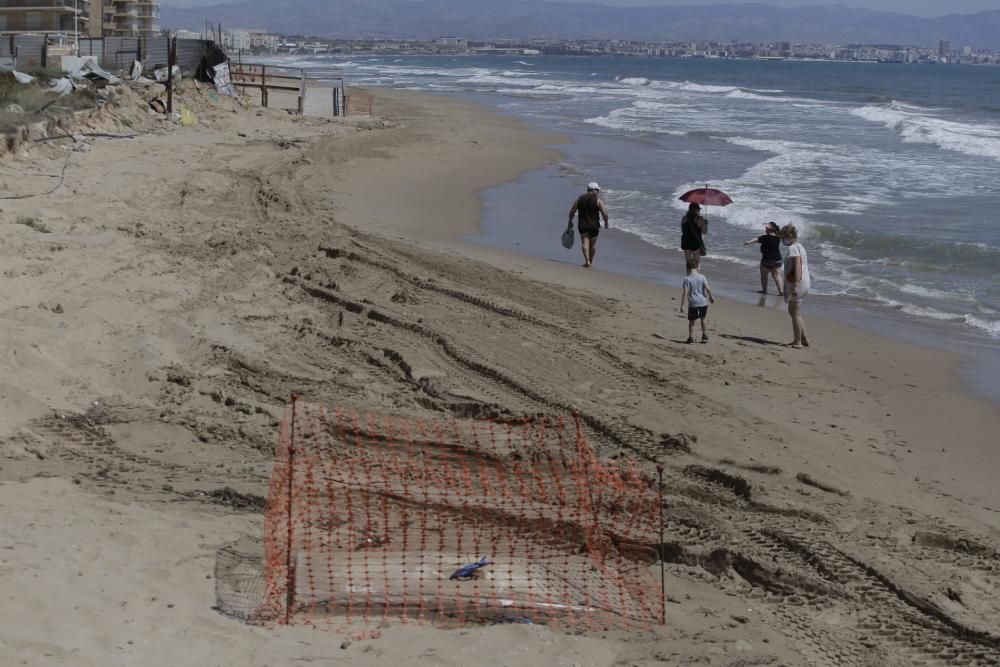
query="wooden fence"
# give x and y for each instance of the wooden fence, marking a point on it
(267, 78)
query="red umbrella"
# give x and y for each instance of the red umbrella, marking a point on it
(706, 196)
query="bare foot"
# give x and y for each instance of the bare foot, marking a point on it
(794, 345)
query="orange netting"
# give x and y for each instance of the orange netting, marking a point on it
(456, 522)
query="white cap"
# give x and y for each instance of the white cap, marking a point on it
(593, 186)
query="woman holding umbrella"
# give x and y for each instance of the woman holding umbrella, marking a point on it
(693, 226)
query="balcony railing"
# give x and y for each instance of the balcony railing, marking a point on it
(45, 4)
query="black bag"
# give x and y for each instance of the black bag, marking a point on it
(567, 237)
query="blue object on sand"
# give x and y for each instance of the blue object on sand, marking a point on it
(469, 571)
(513, 619)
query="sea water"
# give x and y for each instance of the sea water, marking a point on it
(890, 172)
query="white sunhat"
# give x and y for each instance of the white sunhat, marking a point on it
(593, 186)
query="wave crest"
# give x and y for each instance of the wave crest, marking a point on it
(918, 125)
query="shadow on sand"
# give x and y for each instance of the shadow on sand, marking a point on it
(753, 339)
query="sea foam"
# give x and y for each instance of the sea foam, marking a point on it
(920, 125)
(740, 94)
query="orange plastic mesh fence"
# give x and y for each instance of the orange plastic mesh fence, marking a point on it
(455, 522)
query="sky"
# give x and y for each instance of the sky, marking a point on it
(915, 7)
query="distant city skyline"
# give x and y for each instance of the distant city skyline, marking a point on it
(263, 43)
(924, 8)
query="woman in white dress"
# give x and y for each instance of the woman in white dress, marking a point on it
(796, 283)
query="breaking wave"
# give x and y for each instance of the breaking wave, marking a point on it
(920, 125)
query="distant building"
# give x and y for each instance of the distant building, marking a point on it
(252, 41)
(237, 40)
(456, 43)
(45, 16)
(264, 43)
(944, 49)
(130, 18)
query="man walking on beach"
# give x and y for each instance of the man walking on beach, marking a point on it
(591, 208)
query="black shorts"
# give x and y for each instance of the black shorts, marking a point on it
(590, 232)
(771, 263)
(697, 313)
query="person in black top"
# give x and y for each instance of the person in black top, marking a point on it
(693, 226)
(770, 257)
(591, 209)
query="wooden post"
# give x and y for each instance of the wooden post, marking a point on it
(171, 59)
(302, 93)
(263, 86)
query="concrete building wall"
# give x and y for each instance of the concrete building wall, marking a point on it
(96, 26)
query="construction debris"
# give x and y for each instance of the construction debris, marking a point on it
(163, 73)
(22, 77)
(91, 72)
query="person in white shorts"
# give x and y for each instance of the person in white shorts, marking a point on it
(797, 282)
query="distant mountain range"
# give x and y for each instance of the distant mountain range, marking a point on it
(498, 19)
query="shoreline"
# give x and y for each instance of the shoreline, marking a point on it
(477, 235)
(633, 257)
(892, 267)
(978, 357)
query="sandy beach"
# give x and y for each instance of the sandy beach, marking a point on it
(836, 506)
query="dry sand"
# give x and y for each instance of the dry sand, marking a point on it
(831, 507)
